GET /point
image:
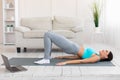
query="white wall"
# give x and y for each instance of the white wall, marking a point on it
(34, 8)
(112, 28)
(71, 8)
(64, 7)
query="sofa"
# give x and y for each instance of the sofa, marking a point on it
(31, 31)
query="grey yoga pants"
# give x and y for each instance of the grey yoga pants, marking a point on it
(63, 43)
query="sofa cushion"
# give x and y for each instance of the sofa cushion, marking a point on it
(64, 23)
(66, 33)
(77, 29)
(35, 34)
(22, 29)
(41, 23)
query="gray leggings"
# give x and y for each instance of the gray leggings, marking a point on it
(63, 43)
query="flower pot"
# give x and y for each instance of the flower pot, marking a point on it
(7, 29)
(97, 29)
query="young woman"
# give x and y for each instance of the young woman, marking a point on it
(80, 54)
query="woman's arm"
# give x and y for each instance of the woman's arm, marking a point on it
(68, 57)
(89, 60)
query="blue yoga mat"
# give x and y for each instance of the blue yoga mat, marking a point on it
(30, 62)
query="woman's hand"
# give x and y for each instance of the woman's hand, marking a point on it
(59, 57)
(61, 63)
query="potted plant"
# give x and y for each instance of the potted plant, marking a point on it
(11, 29)
(7, 28)
(96, 16)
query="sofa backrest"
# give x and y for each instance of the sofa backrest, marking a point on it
(42, 23)
(64, 23)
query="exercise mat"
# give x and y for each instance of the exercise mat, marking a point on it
(30, 62)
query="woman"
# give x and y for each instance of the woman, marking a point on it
(80, 54)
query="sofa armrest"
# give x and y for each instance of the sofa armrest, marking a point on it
(22, 29)
(77, 29)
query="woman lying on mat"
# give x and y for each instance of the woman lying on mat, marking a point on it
(80, 54)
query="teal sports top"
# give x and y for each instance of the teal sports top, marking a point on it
(88, 52)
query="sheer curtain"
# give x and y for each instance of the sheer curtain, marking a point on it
(112, 28)
(113, 11)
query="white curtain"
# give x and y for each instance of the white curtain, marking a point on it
(112, 28)
(113, 11)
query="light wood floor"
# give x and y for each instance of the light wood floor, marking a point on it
(60, 72)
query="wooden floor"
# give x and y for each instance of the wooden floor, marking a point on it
(60, 72)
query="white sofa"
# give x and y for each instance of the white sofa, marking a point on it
(31, 31)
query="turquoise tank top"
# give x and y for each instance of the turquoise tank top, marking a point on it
(88, 52)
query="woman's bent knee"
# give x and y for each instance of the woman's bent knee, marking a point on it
(48, 34)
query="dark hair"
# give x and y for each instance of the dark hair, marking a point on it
(110, 57)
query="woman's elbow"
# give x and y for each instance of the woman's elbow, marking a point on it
(93, 61)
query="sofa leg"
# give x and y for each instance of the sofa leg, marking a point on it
(25, 49)
(18, 49)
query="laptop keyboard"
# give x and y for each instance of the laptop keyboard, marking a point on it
(15, 69)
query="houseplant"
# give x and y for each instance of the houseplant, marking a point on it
(11, 27)
(7, 28)
(96, 16)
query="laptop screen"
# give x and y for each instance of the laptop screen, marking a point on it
(6, 62)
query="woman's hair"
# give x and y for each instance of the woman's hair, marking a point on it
(110, 57)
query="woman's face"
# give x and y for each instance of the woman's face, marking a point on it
(104, 54)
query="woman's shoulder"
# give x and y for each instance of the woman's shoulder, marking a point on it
(97, 57)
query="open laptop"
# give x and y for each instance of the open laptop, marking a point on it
(12, 68)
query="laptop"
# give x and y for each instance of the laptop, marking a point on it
(12, 68)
